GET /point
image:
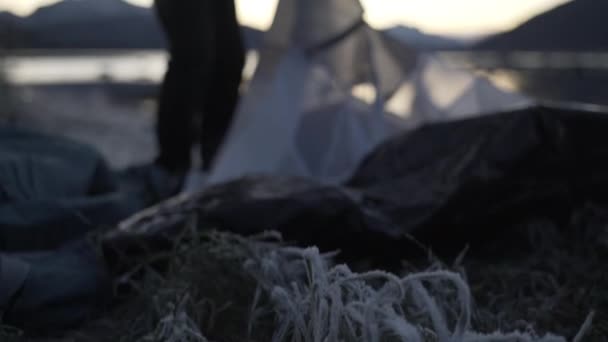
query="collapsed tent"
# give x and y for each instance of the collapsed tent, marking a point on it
(329, 88)
(437, 90)
(448, 184)
(299, 116)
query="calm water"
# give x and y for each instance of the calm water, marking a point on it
(51, 67)
(581, 77)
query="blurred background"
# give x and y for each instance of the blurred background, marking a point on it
(90, 69)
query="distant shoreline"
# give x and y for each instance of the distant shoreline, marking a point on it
(77, 52)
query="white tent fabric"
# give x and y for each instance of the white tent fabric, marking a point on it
(299, 116)
(304, 114)
(439, 91)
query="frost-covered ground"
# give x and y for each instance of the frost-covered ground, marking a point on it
(222, 287)
(226, 288)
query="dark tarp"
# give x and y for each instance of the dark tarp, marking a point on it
(447, 184)
(53, 192)
(461, 182)
(62, 289)
(329, 217)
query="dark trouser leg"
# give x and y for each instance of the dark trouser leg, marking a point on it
(174, 123)
(189, 26)
(222, 93)
(219, 111)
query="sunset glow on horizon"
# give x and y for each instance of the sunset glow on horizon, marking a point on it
(458, 17)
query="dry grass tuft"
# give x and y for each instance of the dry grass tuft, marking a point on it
(222, 287)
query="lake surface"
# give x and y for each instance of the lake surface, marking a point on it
(581, 77)
(52, 67)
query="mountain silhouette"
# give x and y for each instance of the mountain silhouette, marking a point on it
(91, 24)
(10, 30)
(75, 10)
(116, 24)
(83, 24)
(423, 41)
(109, 24)
(578, 25)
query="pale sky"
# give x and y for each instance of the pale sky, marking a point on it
(433, 16)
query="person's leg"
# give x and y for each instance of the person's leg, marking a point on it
(173, 128)
(219, 112)
(223, 93)
(189, 29)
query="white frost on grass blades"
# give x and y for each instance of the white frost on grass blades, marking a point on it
(316, 302)
(176, 325)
